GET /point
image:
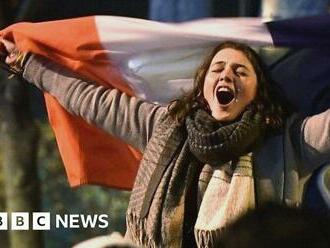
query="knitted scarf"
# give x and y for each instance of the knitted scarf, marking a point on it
(170, 163)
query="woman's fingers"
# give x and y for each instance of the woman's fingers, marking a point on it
(11, 51)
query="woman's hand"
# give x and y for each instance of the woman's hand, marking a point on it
(9, 50)
(13, 57)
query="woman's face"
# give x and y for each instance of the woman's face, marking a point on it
(230, 84)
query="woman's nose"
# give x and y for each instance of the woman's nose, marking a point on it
(226, 76)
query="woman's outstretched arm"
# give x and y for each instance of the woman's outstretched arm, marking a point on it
(314, 141)
(128, 118)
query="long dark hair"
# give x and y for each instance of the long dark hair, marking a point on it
(266, 101)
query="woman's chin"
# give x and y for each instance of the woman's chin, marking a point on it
(223, 116)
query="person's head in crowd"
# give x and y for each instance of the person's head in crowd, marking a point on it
(275, 226)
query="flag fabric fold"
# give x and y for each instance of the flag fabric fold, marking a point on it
(114, 52)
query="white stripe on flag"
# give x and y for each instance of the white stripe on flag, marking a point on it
(159, 59)
(124, 35)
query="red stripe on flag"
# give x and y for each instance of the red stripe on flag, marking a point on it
(90, 155)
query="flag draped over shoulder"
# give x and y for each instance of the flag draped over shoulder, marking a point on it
(114, 51)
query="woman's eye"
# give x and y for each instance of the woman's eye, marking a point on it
(241, 73)
(217, 70)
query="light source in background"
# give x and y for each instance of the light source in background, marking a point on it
(283, 9)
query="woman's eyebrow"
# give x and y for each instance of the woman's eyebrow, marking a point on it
(235, 65)
(218, 63)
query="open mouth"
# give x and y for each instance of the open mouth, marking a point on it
(225, 95)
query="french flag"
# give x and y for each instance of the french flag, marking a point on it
(152, 60)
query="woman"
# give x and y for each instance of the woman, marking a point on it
(209, 157)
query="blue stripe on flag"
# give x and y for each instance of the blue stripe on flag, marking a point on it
(301, 32)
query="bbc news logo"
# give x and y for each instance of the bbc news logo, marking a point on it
(43, 221)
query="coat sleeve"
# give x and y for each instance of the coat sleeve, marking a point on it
(314, 141)
(129, 118)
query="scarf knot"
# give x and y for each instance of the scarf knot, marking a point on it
(214, 143)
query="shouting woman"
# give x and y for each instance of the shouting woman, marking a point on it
(227, 146)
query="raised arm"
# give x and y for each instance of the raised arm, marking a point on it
(128, 118)
(314, 141)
